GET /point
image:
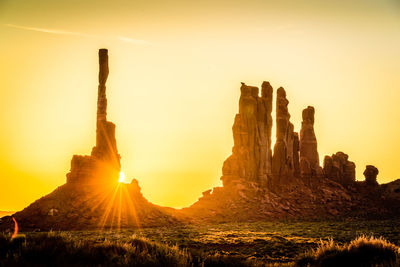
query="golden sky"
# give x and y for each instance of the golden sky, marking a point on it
(173, 89)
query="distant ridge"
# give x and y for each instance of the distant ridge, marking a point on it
(6, 213)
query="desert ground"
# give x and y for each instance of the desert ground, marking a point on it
(225, 244)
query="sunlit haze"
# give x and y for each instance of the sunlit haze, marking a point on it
(122, 177)
(173, 88)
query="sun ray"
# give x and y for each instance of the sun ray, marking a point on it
(119, 210)
(131, 209)
(110, 203)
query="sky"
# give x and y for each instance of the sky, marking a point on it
(173, 88)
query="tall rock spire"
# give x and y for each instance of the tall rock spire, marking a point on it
(101, 92)
(265, 127)
(279, 166)
(285, 162)
(104, 163)
(106, 144)
(309, 158)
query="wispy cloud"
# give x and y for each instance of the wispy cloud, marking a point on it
(52, 31)
(133, 41)
(62, 32)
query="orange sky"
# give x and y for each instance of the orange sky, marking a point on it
(173, 89)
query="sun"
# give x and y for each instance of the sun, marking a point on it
(121, 177)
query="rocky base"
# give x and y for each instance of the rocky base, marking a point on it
(72, 207)
(298, 200)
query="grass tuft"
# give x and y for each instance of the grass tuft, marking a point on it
(363, 251)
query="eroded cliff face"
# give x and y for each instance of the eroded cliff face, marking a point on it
(294, 157)
(251, 153)
(252, 159)
(285, 160)
(309, 158)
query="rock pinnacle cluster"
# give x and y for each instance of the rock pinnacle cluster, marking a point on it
(261, 183)
(293, 156)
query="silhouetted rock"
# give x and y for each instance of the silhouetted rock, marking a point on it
(256, 184)
(296, 156)
(334, 194)
(251, 153)
(293, 149)
(92, 198)
(309, 158)
(339, 169)
(206, 193)
(370, 174)
(106, 144)
(265, 129)
(279, 167)
(286, 150)
(103, 166)
(90, 170)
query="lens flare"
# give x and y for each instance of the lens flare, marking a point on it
(15, 228)
(121, 177)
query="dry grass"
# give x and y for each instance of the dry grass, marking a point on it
(363, 251)
(60, 249)
(268, 244)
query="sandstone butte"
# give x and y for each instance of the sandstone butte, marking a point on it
(260, 182)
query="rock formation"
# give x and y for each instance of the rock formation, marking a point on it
(106, 144)
(370, 174)
(309, 159)
(279, 166)
(251, 153)
(92, 198)
(265, 129)
(339, 169)
(257, 185)
(296, 186)
(285, 162)
(104, 163)
(296, 155)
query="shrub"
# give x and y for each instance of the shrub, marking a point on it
(363, 251)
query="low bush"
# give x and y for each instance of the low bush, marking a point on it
(363, 251)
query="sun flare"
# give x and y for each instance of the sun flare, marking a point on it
(121, 177)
